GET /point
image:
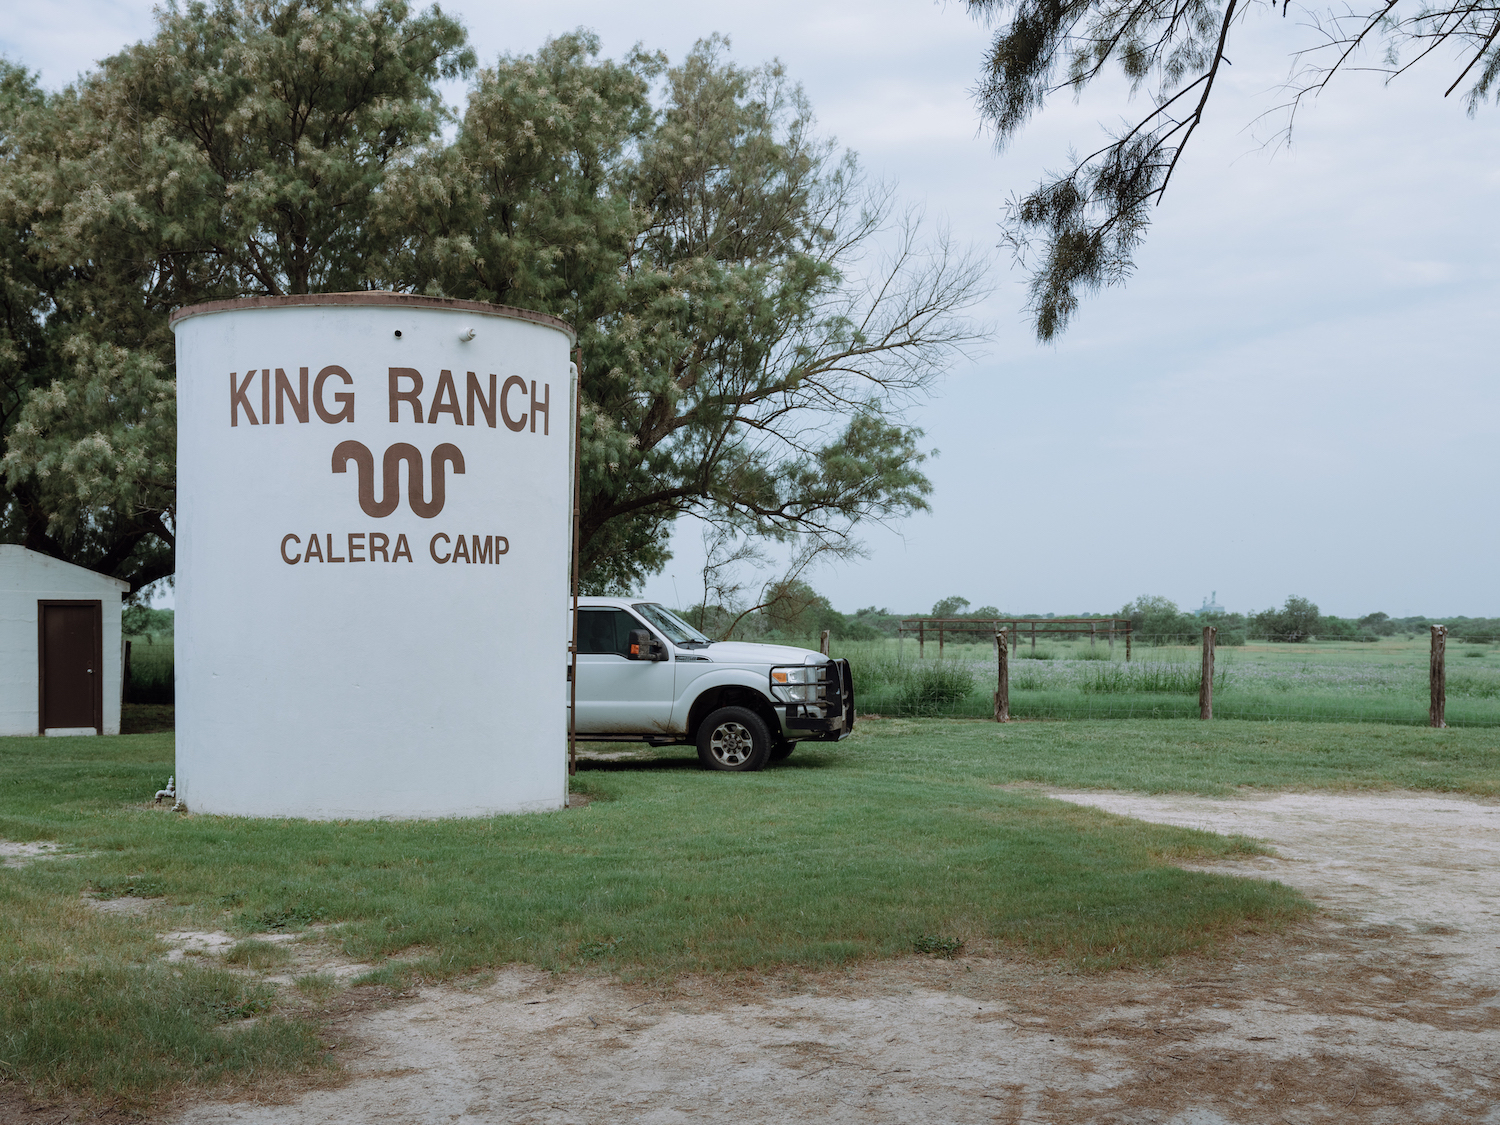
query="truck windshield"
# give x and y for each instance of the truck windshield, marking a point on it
(678, 631)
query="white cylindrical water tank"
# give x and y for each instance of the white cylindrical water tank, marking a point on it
(374, 512)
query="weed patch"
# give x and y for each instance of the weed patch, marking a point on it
(935, 945)
(934, 687)
(255, 954)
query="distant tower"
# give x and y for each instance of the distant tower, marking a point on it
(1211, 605)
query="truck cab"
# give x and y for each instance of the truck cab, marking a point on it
(644, 673)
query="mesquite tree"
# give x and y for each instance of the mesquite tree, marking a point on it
(1077, 231)
(753, 316)
(238, 152)
(752, 313)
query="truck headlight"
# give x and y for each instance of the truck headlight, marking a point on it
(796, 683)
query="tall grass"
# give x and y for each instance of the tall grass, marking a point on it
(152, 671)
(1151, 677)
(930, 690)
(1335, 682)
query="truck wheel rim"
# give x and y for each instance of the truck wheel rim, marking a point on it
(730, 744)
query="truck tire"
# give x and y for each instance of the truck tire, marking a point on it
(733, 739)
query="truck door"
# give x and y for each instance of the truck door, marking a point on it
(614, 692)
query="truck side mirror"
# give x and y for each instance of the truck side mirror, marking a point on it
(643, 646)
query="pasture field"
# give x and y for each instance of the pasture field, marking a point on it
(909, 837)
(1337, 681)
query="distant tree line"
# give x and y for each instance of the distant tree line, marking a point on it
(802, 613)
(1298, 620)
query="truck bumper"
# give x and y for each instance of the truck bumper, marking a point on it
(831, 719)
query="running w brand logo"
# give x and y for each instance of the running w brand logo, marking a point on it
(390, 496)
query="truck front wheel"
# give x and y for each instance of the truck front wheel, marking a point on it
(734, 739)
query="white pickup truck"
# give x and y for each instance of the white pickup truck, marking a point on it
(644, 673)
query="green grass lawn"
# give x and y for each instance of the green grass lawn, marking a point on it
(897, 838)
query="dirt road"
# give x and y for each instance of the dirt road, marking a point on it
(1384, 1009)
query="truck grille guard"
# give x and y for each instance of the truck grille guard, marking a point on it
(832, 716)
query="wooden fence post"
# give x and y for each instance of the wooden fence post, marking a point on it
(823, 643)
(1437, 676)
(1127, 642)
(1111, 639)
(1033, 636)
(1002, 693)
(940, 640)
(1092, 630)
(1206, 688)
(921, 640)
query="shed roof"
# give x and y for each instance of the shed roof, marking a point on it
(16, 560)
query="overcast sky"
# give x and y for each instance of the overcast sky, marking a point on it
(1295, 395)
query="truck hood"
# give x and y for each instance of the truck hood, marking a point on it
(743, 652)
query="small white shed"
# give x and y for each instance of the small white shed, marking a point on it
(60, 651)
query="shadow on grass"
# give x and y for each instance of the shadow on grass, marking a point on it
(809, 759)
(636, 765)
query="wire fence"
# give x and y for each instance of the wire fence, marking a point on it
(1255, 678)
(150, 670)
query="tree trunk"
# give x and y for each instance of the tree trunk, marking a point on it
(1438, 676)
(1002, 692)
(823, 643)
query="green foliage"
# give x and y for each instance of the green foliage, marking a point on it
(240, 150)
(1077, 230)
(950, 607)
(742, 334)
(879, 621)
(707, 247)
(1295, 622)
(1156, 620)
(141, 620)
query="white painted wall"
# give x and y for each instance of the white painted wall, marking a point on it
(408, 688)
(26, 578)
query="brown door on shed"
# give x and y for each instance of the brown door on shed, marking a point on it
(70, 646)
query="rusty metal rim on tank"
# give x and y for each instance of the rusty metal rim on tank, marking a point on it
(376, 297)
